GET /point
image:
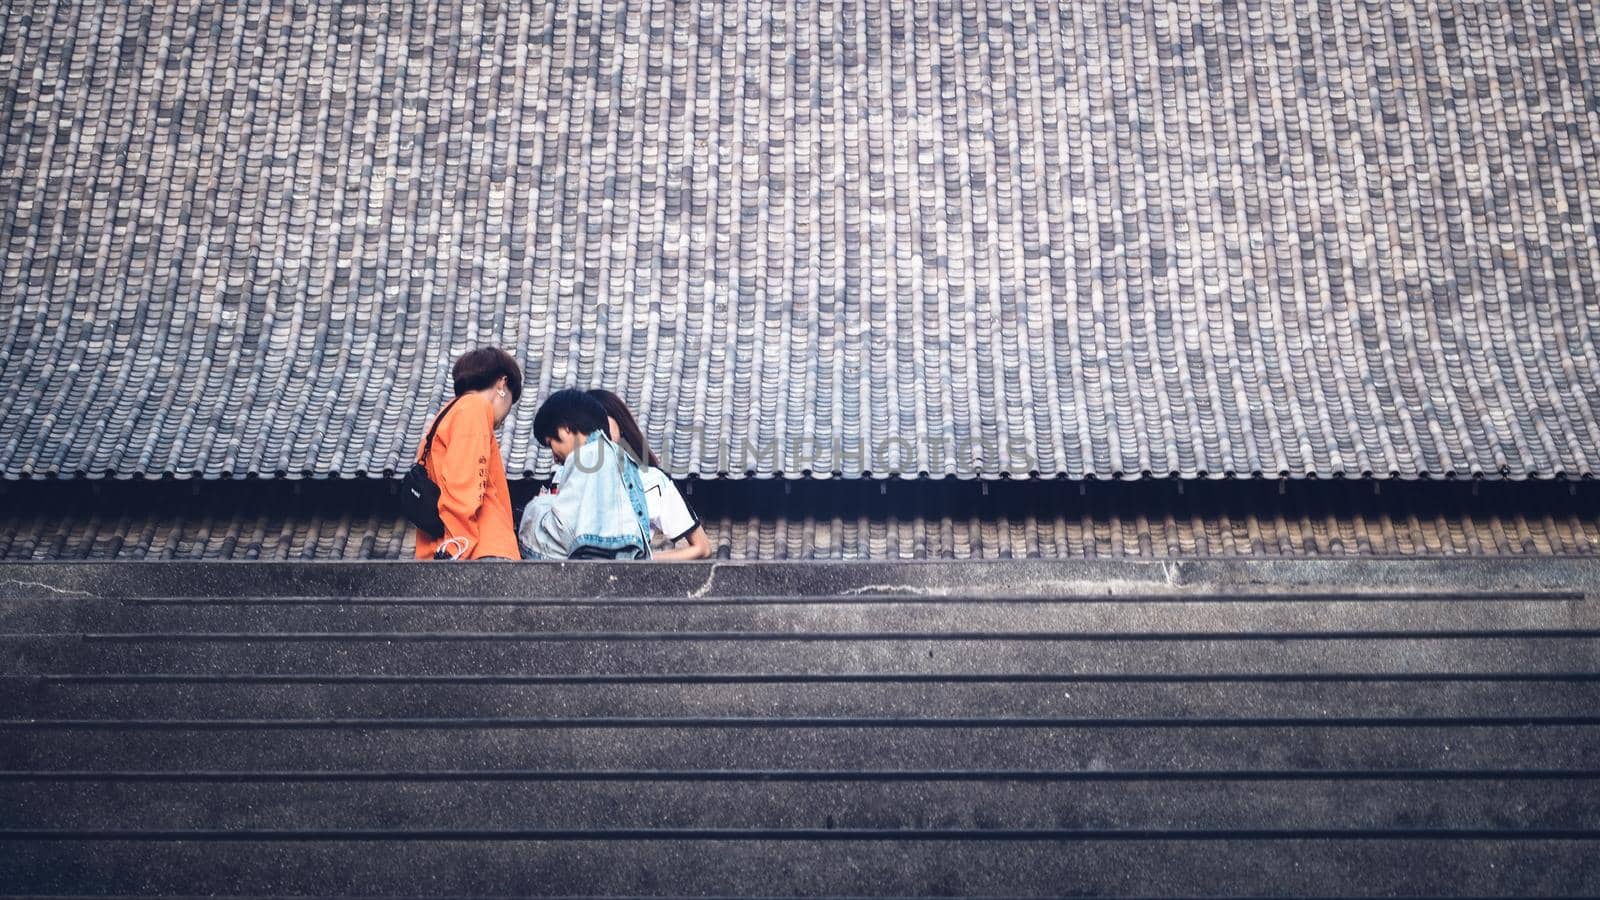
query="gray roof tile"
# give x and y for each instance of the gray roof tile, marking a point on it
(1340, 237)
(843, 532)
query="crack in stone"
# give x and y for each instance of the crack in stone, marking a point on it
(710, 577)
(892, 589)
(49, 587)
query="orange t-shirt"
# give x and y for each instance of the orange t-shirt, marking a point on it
(474, 500)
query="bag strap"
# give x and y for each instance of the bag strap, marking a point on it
(427, 446)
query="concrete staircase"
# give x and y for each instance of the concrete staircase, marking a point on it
(1295, 728)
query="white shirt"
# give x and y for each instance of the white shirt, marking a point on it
(670, 516)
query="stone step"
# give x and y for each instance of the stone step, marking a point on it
(1128, 579)
(996, 730)
(819, 744)
(1200, 614)
(1488, 861)
(531, 653)
(34, 698)
(1330, 802)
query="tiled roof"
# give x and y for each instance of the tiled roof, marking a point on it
(1342, 237)
(1109, 535)
(834, 524)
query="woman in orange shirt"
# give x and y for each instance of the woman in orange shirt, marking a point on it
(465, 462)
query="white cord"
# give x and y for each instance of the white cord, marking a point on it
(455, 546)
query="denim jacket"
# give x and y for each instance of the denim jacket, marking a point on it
(596, 511)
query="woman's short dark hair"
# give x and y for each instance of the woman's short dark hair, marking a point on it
(627, 428)
(481, 368)
(572, 409)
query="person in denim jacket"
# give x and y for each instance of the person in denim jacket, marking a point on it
(595, 506)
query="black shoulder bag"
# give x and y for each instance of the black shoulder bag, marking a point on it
(419, 496)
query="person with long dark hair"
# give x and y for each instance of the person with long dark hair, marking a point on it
(671, 516)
